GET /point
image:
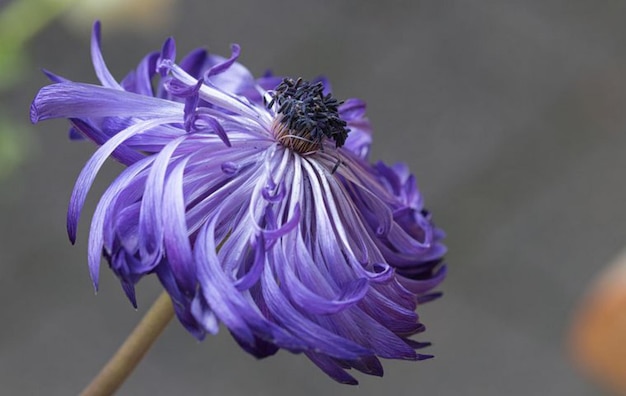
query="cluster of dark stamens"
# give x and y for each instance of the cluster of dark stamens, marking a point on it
(306, 116)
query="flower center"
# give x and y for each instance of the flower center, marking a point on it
(306, 116)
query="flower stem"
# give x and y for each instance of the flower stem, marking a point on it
(119, 367)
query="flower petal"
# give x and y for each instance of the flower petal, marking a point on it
(332, 368)
(88, 174)
(107, 202)
(103, 73)
(175, 234)
(78, 100)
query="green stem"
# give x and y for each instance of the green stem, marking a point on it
(121, 365)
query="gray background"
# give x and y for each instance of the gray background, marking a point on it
(510, 113)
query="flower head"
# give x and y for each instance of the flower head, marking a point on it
(253, 202)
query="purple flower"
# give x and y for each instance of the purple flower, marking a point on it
(254, 203)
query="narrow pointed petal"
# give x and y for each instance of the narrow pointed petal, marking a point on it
(96, 232)
(103, 73)
(176, 238)
(332, 368)
(88, 174)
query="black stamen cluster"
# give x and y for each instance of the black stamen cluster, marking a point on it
(307, 111)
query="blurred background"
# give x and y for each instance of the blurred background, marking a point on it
(511, 114)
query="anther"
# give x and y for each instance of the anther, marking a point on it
(306, 116)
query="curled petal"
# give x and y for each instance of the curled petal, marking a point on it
(229, 304)
(223, 66)
(332, 368)
(140, 80)
(96, 233)
(151, 222)
(273, 234)
(168, 55)
(215, 126)
(78, 100)
(103, 73)
(314, 335)
(194, 62)
(175, 235)
(258, 264)
(316, 304)
(88, 174)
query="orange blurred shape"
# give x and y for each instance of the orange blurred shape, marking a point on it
(138, 15)
(597, 339)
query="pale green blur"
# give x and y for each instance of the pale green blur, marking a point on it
(20, 21)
